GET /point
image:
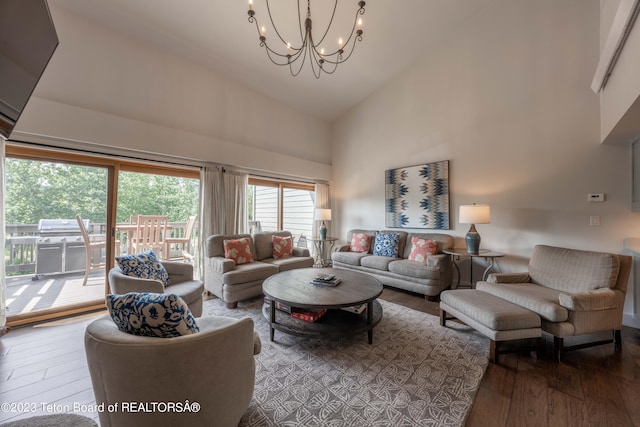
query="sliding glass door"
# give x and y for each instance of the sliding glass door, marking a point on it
(51, 206)
(68, 216)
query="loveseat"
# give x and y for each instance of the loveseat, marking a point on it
(574, 292)
(428, 277)
(233, 282)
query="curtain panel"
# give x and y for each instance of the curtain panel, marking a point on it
(223, 203)
(3, 282)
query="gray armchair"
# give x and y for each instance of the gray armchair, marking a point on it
(182, 284)
(214, 368)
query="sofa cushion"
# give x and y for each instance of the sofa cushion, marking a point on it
(282, 246)
(290, 263)
(350, 258)
(151, 315)
(238, 250)
(378, 262)
(539, 299)
(415, 269)
(145, 265)
(252, 272)
(386, 244)
(360, 242)
(571, 270)
(421, 249)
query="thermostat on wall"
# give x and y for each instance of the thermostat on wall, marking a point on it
(595, 197)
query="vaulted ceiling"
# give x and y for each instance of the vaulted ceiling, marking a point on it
(217, 35)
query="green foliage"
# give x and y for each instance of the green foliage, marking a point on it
(37, 189)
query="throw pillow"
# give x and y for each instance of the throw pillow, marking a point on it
(360, 242)
(282, 246)
(421, 249)
(386, 244)
(239, 250)
(151, 315)
(145, 265)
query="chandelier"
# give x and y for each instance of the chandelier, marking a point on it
(322, 59)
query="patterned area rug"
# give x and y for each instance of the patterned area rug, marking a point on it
(416, 373)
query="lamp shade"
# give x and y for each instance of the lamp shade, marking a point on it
(474, 214)
(323, 214)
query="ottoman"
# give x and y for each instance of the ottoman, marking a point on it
(495, 318)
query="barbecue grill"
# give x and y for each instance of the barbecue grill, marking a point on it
(59, 247)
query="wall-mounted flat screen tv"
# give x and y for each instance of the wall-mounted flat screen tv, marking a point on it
(27, 42)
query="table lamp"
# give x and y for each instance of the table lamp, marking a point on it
(323, 215)
(474, 214)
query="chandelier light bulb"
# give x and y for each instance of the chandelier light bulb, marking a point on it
(308, 48)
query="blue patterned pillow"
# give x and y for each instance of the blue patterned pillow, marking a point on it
(386, 244)
(152, 315)
(145, 265)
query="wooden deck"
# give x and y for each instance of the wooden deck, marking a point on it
(26, 295)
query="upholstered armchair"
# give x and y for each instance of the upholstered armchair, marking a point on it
(213, 369)
(181, 283)
(574, 292)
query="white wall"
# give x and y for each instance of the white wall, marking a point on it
(105, 88)
(509, 104)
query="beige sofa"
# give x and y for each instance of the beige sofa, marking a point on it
(429, 279)
(233, 283)
(574, 292)
(181, 283)
(214, 369)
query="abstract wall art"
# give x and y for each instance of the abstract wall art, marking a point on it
(418, 196)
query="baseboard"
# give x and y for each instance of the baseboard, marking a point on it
(631, 320)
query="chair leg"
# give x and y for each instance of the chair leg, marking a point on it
(232, 305)
(87, 267)
(617, 339)
(443, 318)
(558, 344)
(494, 351)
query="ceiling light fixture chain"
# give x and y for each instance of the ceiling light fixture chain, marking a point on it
(295, 57)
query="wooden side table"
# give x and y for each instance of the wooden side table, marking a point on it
(489, 256)
(321, 247)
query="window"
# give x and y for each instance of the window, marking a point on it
(278, 205)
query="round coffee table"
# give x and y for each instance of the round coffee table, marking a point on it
(293, 288)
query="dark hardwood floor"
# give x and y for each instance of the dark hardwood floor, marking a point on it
(591, 387)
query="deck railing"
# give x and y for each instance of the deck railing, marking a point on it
(20, 244)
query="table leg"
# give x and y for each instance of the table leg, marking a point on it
(455, 264)
(272, 319)
(370, 321)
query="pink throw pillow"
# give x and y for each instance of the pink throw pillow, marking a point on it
(421, 249)
(360, 242)
(282, 246)
(239, 250)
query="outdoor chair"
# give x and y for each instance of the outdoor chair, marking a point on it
(91, 247)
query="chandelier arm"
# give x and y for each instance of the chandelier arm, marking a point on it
(335, 6)
(300, 19)
(287, 59)
(344, 58)
(353, 29)
(274, 24)
(295, 74)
